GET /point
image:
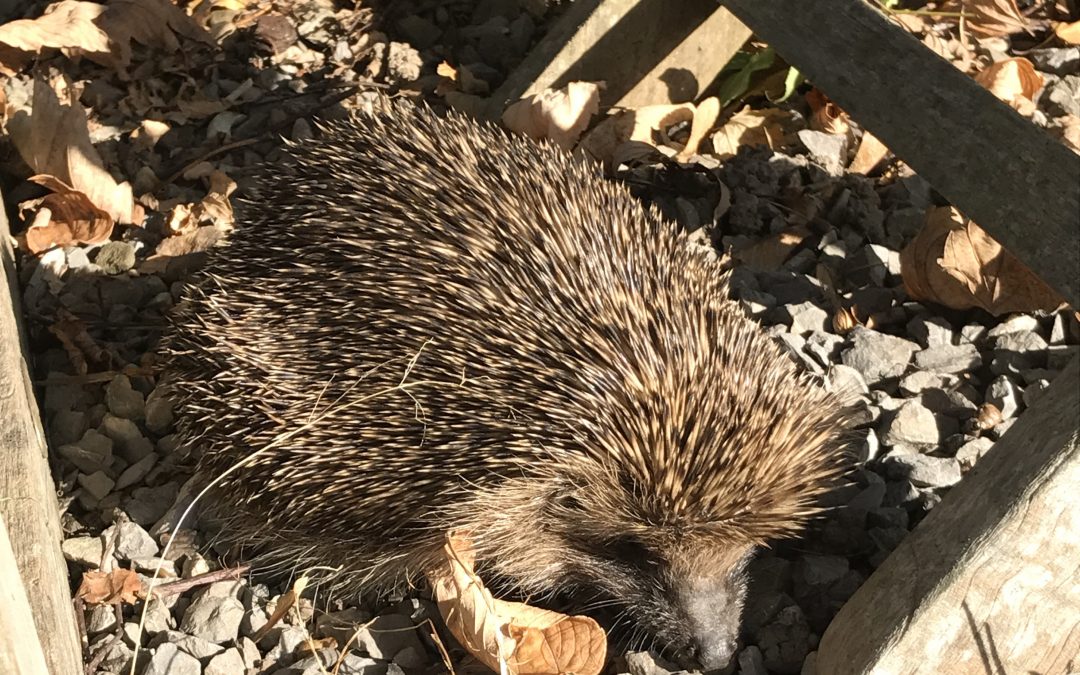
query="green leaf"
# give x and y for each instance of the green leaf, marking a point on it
(791, 83)
(738, 84)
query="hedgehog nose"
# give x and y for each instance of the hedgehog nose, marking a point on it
(714, 652)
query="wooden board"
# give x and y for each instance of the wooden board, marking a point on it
(1010, 177)
(20, 649)
(989, 582)
(646, 51)
(27, 493)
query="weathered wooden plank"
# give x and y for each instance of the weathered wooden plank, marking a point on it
(990, 581)
(1010, 177)
(20, 649)
(27, 494)
(647, 51)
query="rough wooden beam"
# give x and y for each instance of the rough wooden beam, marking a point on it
(28, 503)
(20, 649)
(1010, 177)
(990, 581)
(647, 51)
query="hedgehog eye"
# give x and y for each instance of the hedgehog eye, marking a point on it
(630, 551)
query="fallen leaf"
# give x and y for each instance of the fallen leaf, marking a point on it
(101, 33)
(825, 115)
(54, 141)
(738, 83)
(870, 153)
(1013, 81)
(214, 209)
(769, 254)
(119, 586)
(750, 127)
(560, 115)
(992, 17)
(1069, 33)
(647, 124)
(64, 218)
(953, 262)
(705, 116)
(67, 25)
(525, 640)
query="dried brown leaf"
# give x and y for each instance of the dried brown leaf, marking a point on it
(1014, 81)
(750, 127)
(955, 263)
(560, 115)
(646, 125)
(68, 25)
(870, 153)
(71, 331)
(120, 586)
(825, 115)
(993, 18)
(100, 32)
(770, 253)
(54, 141)
(527, 640)
(1069, 33)
(214, 209)
(705, 115)
(64, 219)
(1067, 128)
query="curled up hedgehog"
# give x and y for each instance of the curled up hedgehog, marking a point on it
(424, 325)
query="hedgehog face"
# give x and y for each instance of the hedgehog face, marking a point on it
(678, 588)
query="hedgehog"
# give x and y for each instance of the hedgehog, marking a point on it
(424, 324)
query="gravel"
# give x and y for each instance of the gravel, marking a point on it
(920, 374)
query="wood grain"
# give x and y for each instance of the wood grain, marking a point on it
(28, 503)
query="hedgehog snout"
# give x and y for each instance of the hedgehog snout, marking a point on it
(712, 608)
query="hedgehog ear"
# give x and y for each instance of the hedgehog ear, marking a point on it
(567, 498)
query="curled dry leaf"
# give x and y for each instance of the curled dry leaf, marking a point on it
(953, 262)
(650, 125)
(523, 639)
(64, 218)
(100, 32)
(71, 331)
(560, 115)
(750, 127)
(1014, 81)
(54, 141)
(991, 18)
(705, 116)
(214, 209)
(1067, 128)
(119, 586)
(825, 115)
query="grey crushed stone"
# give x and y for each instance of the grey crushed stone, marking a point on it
(91, 453)
(913, 423)
(387, 635)
(214, 615)
(923, 470)
(189, 644)
(100, 618)
(169, 660)
(115, 257)
(830, 150)
(805, 317)
(647, 663)
(159, 414)
(147, 505)
(229, 662)
(785, 641)
(751, 662)
(136, 472)
(949, 359)
(919, 381)
(123, 400)
(972, 451)
(1004, 393)
(878, 356)
(67, 426)
(931, 331)
(1019, 351)
(83, 551)
(1017, 323)
(816, 570)
(98, 485)
(132, 541)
